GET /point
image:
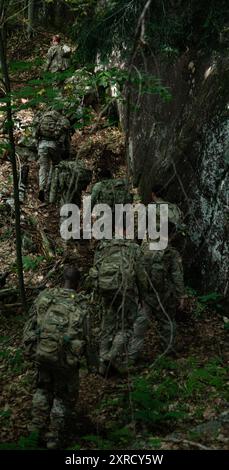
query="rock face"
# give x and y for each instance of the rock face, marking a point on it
(184, 145)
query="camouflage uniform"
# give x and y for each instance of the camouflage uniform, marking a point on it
(124, 324)
(51, 146)
(111, 192)
(165, 287)
(57, 58)
(69, 179)
(58, 383)
(175, 215)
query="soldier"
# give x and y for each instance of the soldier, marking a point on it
(56, 336)
(110, 191)
(52, 131)
(175, 215)
(69, 179)
(165, 293)
(119, 279)
(57, 56)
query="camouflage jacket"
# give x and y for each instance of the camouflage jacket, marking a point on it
(81, 333)
(164, 270)
(111, 192)
(56, 59)
(104, 251)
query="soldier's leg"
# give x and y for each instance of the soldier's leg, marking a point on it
(165, 315)
(126, 314)
(41, 404)
(49, 177)
(65, 396)
(119, 347)
(140, 328)
(44, 168)
(107, 335)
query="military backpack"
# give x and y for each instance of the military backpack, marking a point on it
(114, 191)
(52, 125)
(60, 328)
(116, 267)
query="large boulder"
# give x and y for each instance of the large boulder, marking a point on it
(183, 144)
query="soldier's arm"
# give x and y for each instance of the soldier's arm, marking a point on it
(36, 127)
(65, 123)
(30, 333)
(141, 275)
(50, 55)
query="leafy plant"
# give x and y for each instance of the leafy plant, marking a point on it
(30, 263)
(24, 443)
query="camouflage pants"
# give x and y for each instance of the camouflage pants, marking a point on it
(53, 402)
(47, 156)
(165, 318)
(123, 329)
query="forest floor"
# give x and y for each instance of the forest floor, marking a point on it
(164, 403)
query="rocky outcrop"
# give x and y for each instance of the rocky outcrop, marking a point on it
(184, 145)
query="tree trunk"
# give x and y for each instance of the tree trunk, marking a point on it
(13, 162)
(31, 9)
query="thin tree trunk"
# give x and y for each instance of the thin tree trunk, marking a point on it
(31, 9)
(13, 163)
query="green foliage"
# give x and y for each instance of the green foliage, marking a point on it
(169, 26)
(154, 442)
(213, 374)
(203, 302)
(116, 437)
(97, 441)
(24, 443)
(152, 405)
(210, 298)
(162, 398)
(5, 416)
(32, 263)
(6, 234)
(13, 359)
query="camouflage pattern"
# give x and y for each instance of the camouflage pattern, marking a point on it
(48, 153)
(23, 181)
(124, 326)
(51, 125)
(111, 192)
(175, 215)
(165, 288)
(124, 323)
(52, 131)
(53, 403)
(57, 58)
(68, 181)
(57, 383)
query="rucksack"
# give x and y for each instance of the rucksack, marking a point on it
(60, 328)
(116, 267)
(52, 125)
(156, 264)
(114, 192)
(69, 179)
